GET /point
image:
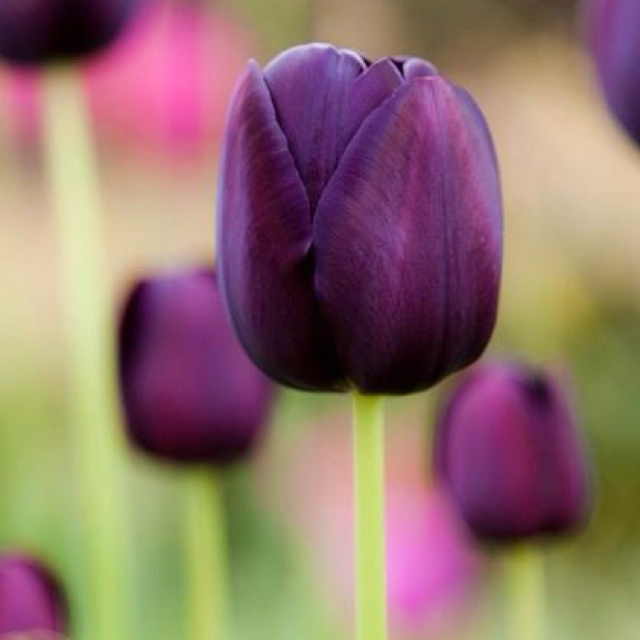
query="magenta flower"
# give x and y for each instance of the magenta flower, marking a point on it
(188, 390)
(359, 222)
(613, 37)
(40, 31)
(31, 600)
(509, 454)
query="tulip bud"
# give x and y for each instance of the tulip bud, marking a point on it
(189, 392)
(40, 31)
(359, 222)
(508, 451)
(613, 37)
(31, 599)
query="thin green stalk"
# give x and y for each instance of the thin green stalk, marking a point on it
(368, 451)
(525, 593)
(205, 546)
(84, 288)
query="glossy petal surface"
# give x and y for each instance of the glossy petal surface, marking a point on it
(30, 598)
(189, 391)
(613, 32)
(408, 239)
(38, 31)
(508, 451)
(266, 258)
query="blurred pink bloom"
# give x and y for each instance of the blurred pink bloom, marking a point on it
(430, 565)
(163, 87)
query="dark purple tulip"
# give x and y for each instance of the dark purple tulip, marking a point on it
(189, 391)
(31, 599)
(613, 35)
(40, 31)
(508, 451)
(359, 222)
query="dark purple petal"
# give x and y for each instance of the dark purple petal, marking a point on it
(37, 31)
(408, 239)
(309, 86)
(31, 599)
(189, 391)
(508, 453)
(613, 35)
(266, 259)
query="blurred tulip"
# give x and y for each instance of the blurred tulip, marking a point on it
(508, 452)
(166, 84)
(189, 392)
(31, 600)
(359, 229)
(613, 37)
(42, 31)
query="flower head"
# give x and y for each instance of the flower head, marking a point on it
(189, 392)
(40, 31)
(508, 452)
(31, 600)
(359, 222)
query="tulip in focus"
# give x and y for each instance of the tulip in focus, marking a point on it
(188, 390)
(43, 31)
(508, 452)
(359, 222)
(31, 600)
(613, 38)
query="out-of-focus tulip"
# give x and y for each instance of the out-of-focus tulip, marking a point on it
(189, 391)
(613, 37)
(31, 599)
(41, 31)
(359, 222)
(508, 451)
(165, 84)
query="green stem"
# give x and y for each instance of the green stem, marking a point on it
(205, 541)
(368, 449)
(85, 291)
(525, 593)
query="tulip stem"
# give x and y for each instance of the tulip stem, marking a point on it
(71, 168)
(205, 540)
(368, 448)
(525, 593)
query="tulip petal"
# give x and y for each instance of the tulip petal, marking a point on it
(408, 239)
(264, 246)
(309, 86)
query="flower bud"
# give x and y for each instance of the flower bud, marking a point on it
(508, 452)
(359, 222)
(40, 31)
(31, 599)
(613, 38)
(189, 392)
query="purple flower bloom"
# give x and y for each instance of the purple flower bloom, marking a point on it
(613, 37)
(508, 451)
(31, 599)
(359, 230)
(38, 31)
(189, 391)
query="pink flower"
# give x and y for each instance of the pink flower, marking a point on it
(163, 87)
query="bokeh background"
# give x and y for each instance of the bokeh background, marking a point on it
(570, 296)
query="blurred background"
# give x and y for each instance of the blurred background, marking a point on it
(570, 295)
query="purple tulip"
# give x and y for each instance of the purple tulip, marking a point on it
(508, 451)
(31, 599)
(359, 230)
(189, 391)
(613, 37)
(39, 31)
